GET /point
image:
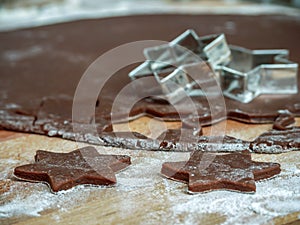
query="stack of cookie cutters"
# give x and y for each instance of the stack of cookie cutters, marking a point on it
(173, 63)
(242, 74)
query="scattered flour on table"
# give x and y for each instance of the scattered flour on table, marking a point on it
(274, 197)
(141, 183)
(42, 199)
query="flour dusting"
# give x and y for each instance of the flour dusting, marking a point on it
(141, 190)
(32, 204)
(274, 197)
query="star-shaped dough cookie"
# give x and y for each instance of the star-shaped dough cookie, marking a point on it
(208, 171)
(66, 170)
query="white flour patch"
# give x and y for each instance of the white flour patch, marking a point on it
(31, 205)
(41, 199)
(274, 197)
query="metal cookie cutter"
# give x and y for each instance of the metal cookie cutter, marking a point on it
(211, 48)
(179, 84)
(186, 51)
(254, 72)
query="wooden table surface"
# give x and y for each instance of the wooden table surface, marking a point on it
(142, 195)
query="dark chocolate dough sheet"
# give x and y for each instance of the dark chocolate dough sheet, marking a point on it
(41, 67)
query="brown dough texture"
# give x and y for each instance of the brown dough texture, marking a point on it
(63, 171)
(40, 69)
(209, 171)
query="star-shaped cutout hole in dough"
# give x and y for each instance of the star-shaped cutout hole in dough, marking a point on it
(211, 171)
(66, 170)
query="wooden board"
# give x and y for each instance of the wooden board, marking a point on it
(142, 195)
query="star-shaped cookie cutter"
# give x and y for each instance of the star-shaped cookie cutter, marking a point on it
(171, 63)
(251, 73)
